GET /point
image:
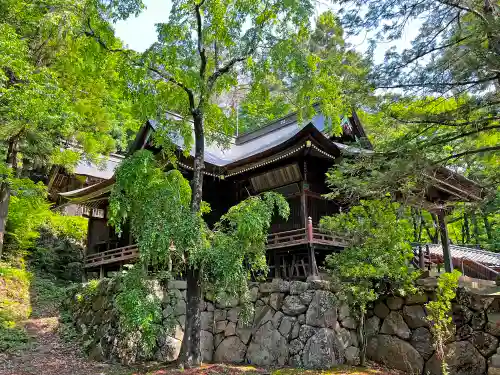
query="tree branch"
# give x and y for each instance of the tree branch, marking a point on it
(201, 47)
(98, 39)
(422, 54)
(168, 78)
(163, 75)
(446, 123)
(224, 69)
(462, 135)
(461, 7)
(469, 152)
(450, 85)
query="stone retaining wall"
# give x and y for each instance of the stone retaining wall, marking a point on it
(304, 324)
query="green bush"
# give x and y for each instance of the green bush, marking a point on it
(14, 306)
(57, 255)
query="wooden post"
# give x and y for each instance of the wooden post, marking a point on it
(277, 268)
(428, 252)
(421, 260)
(313, 268)
(101, 272)
(448, 263)
(303, 205)
(309, 230)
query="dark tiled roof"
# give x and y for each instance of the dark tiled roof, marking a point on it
(488, 258)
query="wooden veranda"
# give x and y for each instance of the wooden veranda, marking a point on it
(278, 246)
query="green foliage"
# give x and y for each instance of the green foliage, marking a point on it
(14, 307)
(30, 214)
(139, 307)
(171, 238)
(56, 86)
(28, 211)
(439, 313)
(236, 248)
(59, 254)
(336, 71)
(377, 258)
(47, 294)
(438, 99)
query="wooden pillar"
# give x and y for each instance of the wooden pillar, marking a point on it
(303, 206)
(277, 268)
(421, 260)
(428, 253)
(101, 272)
(313, 268)
(448, 263)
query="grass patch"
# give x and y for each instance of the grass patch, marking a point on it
(12, 337)
(47, 294)
(14, 307)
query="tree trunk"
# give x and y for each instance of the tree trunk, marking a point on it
(487, 227)
(443, 231)
(466, 229)
(11, 161)
(475, 229)
(4, 209)
(190, 355)
(362, 339)
(435, 224)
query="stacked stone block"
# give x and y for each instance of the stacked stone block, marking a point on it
(306, 325)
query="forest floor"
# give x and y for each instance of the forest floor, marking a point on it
(48, 354)
(37, 343)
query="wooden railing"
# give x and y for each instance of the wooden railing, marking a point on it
(327, 239)
(300, 236)
(119, 254)
(287, 238)
(309, 235)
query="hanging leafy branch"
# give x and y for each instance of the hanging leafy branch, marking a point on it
(157, 205)
(377, 259)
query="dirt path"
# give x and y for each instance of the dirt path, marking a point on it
(48, 354)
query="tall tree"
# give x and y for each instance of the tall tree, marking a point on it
(272, 97)
(201, 51)
(56, 90)
(442, 92)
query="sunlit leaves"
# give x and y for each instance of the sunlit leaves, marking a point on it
(171, 238)
(58, 87)
(377, 258)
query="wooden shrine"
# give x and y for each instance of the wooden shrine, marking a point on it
(283, 156)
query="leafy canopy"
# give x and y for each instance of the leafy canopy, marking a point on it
(58, 88)
(438, 98)
(265, 54)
